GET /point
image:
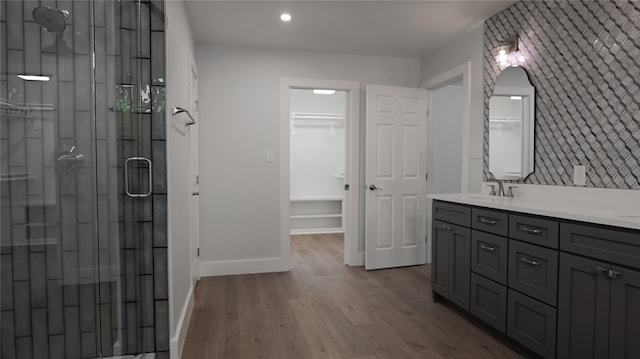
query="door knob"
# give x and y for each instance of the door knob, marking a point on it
(374, 188)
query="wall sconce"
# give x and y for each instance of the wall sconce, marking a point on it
(507, 53)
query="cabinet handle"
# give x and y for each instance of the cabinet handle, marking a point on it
(487, 220)
(487, 248)
(602, 269)
(613, 274)
(531, 230)
(529, 261)
(447, 228)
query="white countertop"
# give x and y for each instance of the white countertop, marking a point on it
(626, 216)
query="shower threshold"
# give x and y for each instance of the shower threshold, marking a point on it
(139, 356)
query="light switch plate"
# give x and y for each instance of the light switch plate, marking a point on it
(579, 175)
(270, 156)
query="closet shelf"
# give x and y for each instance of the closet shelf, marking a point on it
(309, 216)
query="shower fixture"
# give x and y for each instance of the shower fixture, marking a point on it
(51, 19)
(176, 110)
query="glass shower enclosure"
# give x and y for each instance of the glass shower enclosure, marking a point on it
(83, 237)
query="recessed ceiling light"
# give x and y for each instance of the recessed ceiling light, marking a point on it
(323, 92)
(516, 97)
(34, 77)
(285, 17)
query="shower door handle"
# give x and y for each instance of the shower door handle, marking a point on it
(126, 176)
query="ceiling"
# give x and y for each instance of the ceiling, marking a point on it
(381, 28)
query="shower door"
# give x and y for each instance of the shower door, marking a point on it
(83, 254)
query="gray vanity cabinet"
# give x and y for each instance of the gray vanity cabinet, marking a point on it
(451, 267)
(599, 316)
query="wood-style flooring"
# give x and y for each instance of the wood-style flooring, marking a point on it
(324, 309)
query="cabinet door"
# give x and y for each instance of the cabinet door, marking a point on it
(624, 331)
(460, 266)
(583, 308)
(441, 244)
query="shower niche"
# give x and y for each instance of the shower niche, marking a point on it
(83, 262)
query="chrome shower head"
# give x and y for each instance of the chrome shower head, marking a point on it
(176, 110)
(51, 19)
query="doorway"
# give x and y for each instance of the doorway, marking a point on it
(328, 204)
(449, 117)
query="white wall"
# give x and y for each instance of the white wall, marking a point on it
(240, 120)
(470, 47)
(317, 147)
(179, 51)
(446, 126)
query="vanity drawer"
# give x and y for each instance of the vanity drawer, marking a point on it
(489, 302)
(533, 271)
(532, 323)
(618, 246)
(495, 222)
(534, 230)
(489, 255)
(452, 213)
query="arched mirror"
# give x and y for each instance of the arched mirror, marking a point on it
(511, 125)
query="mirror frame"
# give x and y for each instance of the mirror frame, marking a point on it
(528, 121)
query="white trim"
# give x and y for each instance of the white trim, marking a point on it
(246, 266)
(352, 165)
(176, 344)
(316, 231)
(444, 79)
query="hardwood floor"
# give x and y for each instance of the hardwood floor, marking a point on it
(323, 309)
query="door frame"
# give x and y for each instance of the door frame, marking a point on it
(352, 256)
(448, 77)
(194, 202)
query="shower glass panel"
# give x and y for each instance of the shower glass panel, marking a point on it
(83, 254)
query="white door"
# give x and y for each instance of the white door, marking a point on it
(194, 204)
(396, 147)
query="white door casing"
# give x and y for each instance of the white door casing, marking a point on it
(396, 144)
(194, 204)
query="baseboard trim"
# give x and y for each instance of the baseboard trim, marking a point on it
(177, 343)
(247, 266)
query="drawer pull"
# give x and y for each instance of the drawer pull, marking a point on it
(613, 274)
(447, 228)
(488, 221)
(529, 261)
(487, 248)
(602, 269)
(531, 230)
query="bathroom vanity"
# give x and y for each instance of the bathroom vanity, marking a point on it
(560, 279)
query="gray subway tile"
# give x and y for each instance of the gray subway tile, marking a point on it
(14, 25)
(66, 109)
(147, 301)
(24, 347)
(7, 335)
(87, 308)
(83, 82)
(32, 47)
(157, 15)
(72, 332)
(35, 165)
(81, 30)
(162, 325)
(55, 306)
(159, 167)
(38, 280)
(161, 279)
(68, 222)
(157, 58)
(6, 282)
(22, 310)
(40, 335)
(86, 253)
(56, 347)
(20, 265)
(144, 30)
(159, 220)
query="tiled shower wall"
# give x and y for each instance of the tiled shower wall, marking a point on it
(583, 58)
(84, 267)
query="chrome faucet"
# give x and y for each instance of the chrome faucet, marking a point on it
(501, 192)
